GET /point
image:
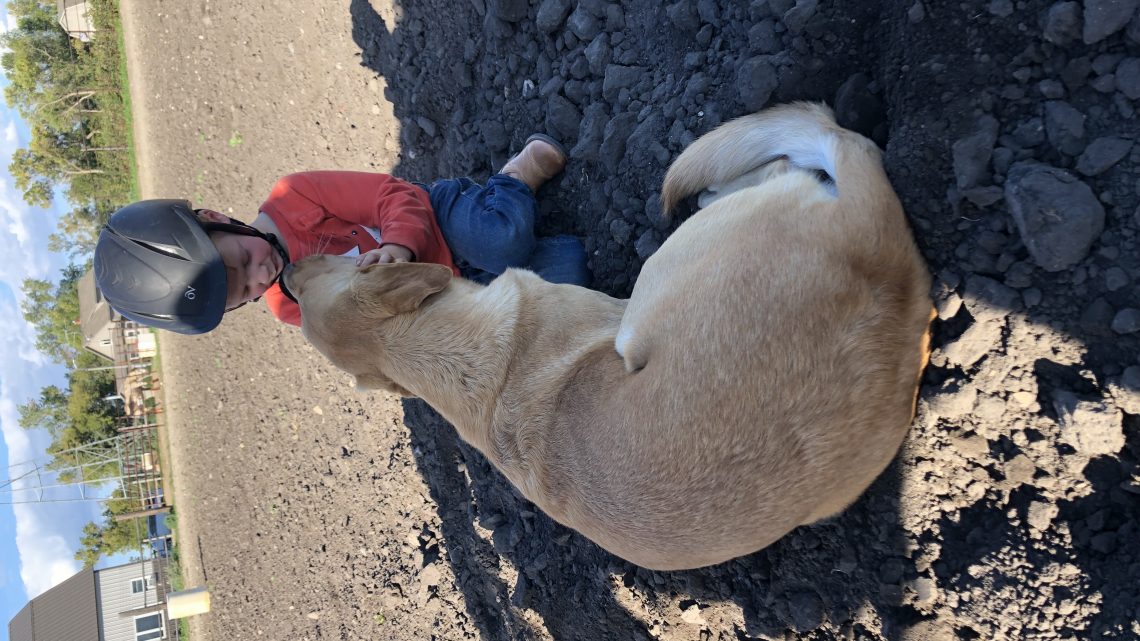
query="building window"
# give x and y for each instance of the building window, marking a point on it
(143, 584)
(149, 627)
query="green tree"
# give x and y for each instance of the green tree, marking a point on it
(114, 535)
(71, 97)
(79, 420)
(78, 230)
(48, 412)
(53, 310)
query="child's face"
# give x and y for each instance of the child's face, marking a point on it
(251, 266)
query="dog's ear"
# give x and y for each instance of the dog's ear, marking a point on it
(389, 289)
(368, 382)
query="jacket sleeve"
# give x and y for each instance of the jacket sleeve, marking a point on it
(400, 210)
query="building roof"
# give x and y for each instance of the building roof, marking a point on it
(95, 315)
(75, 18)
(67, 612)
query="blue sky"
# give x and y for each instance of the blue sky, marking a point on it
(37, 541)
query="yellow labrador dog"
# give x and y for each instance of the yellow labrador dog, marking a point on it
(762, 374)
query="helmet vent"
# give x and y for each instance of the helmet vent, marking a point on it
(173, 251)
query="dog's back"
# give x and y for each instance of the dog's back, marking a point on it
(768, 355)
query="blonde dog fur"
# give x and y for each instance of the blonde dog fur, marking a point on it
(759, 378)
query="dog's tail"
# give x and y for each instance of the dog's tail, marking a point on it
(804, 134)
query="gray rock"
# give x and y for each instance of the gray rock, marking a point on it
(1096, 318)
(1032, 297)
(1063, 23)
(590, 132)
(562, 119)
(613, 141)
(1051, 88)
(806, 610)
(698, 84)
(1030, 133)
(756, 79)
(953, 400)
(986, 299)
(916, 13)
(1019, 275)
(762, 37)
(495, 136)
(974, 343)
(1065, 127)
(1105, 542)
(1101, 154)
(1125, 390)
(1057, 215)
(583, 24)
(1105, 17)
(1040, 515)
(857, 107)
(642, 142)
(972, 152)
(509, 10)
(552, 13)
(646, 245)
(709, 12)
(1093, 428)
(796, 18)
(619, 77)
(598, 54)
(1020, 469)
(1126, 321)
(615, 17)
(1000, 8)
(621, 231)
(684, 16)
(1115, 278)
(1128, 78)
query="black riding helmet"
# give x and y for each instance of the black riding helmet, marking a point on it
(156, 265)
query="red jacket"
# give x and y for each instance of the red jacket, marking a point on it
(349, 213)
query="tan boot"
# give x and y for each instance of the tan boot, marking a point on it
(540, 160)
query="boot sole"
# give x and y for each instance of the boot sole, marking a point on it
(550, 141)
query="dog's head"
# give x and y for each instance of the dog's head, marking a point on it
(345, 310)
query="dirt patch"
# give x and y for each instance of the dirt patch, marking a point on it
(1008, 130)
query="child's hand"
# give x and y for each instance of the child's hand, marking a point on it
(390, 253)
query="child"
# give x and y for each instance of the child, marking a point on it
(162, 264)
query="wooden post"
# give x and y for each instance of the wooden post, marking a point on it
(127, 516)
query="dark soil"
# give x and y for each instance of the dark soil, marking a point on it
(1012, 511)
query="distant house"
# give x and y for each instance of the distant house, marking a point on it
(96, 317)
(128, 345)
(75, 18)
(121, 603)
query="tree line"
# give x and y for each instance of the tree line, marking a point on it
(73, 97)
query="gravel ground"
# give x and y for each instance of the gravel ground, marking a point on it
(313, 512)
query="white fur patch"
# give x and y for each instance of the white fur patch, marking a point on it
(624, 336)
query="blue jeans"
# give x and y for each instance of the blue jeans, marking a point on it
(491, 228)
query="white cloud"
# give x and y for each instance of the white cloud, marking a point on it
(11, 136)
(46, 535)
(24, 230)
(42, 531)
